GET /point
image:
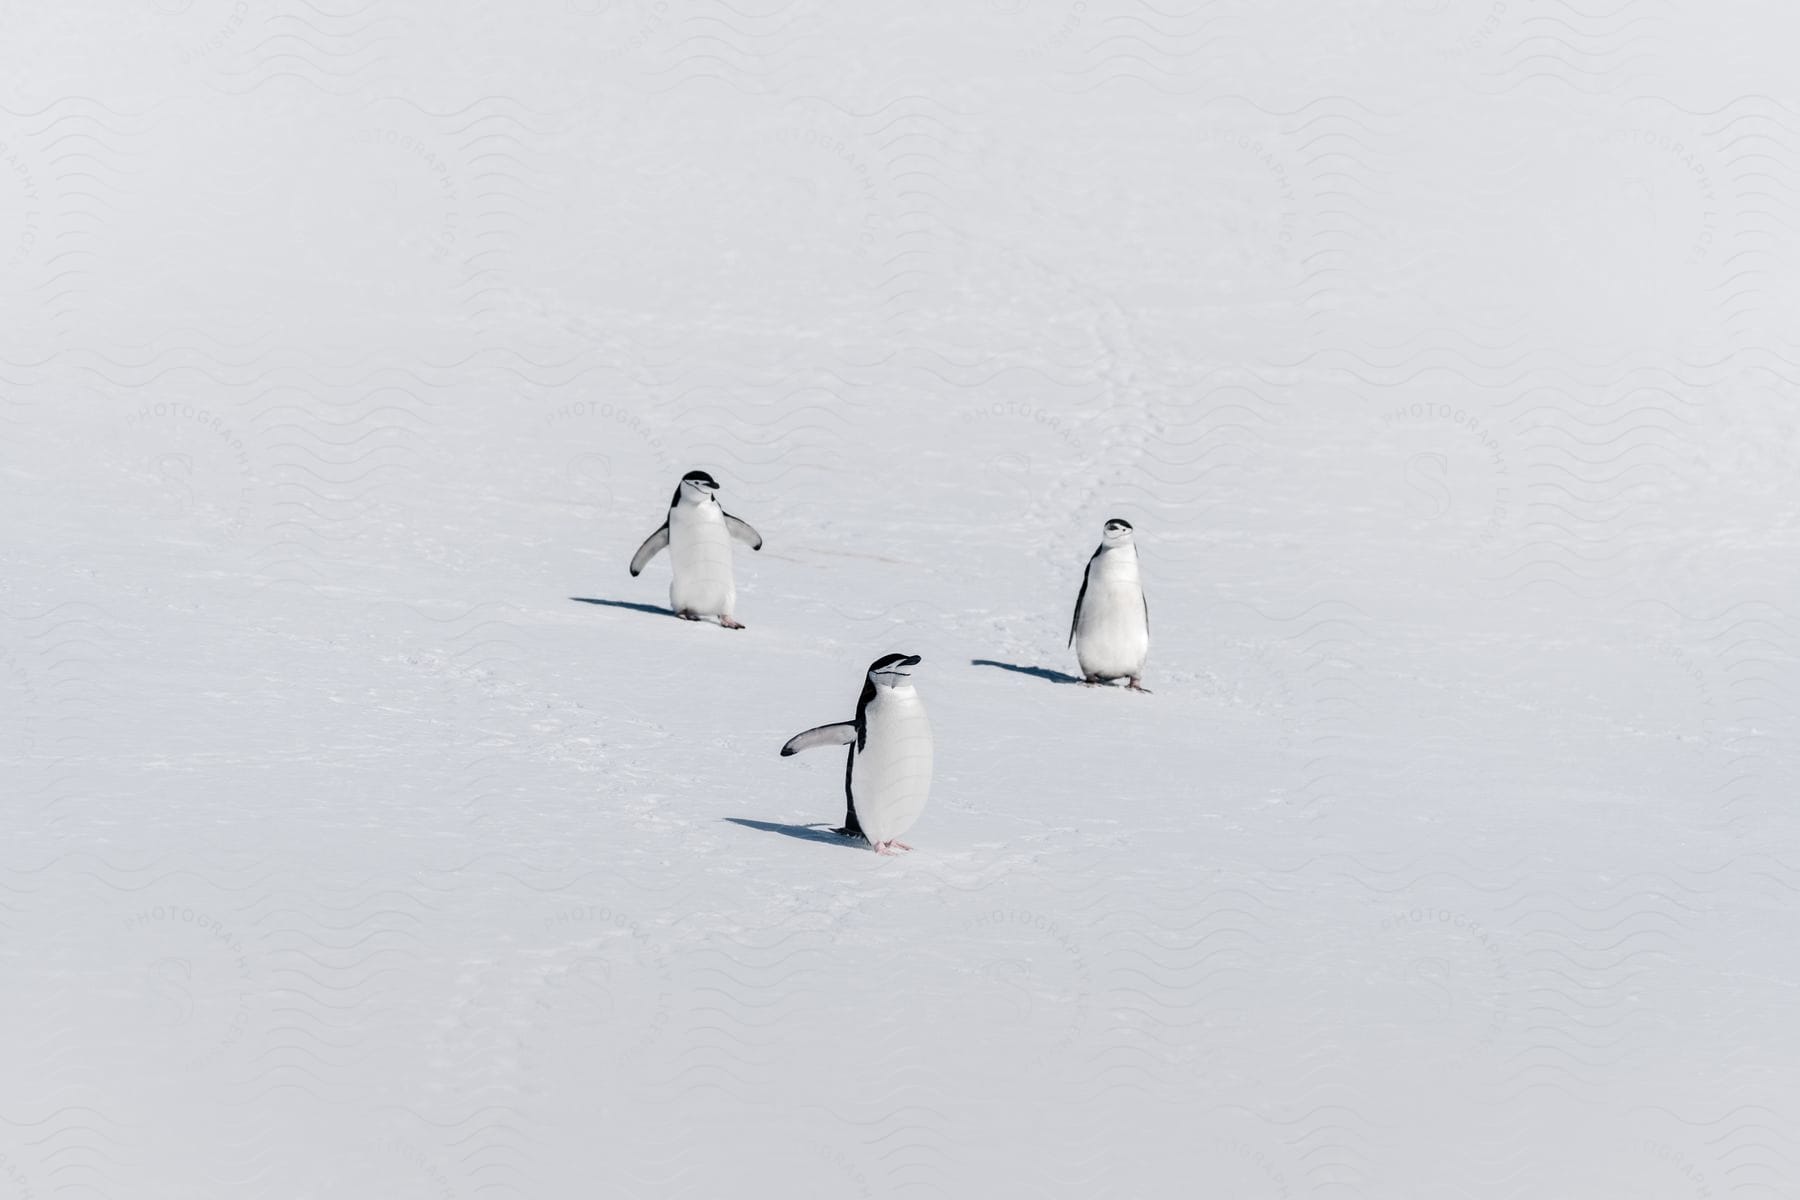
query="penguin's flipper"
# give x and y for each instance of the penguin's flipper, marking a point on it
(653, 545)
(840, 734)
(741, 530)
(1079, 597)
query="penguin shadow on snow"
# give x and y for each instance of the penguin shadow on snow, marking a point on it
(1034, 672)
(655, 610)
(818, 831)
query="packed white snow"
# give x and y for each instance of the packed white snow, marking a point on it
(368, 831)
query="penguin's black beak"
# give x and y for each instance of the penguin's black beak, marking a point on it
(911, 660)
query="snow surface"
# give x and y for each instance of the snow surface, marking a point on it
(370, 833)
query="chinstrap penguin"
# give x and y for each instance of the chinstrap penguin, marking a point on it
(887, 775)
(1111, 627)
(698, 533)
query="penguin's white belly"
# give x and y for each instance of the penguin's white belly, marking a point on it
(1113, 637)
(700, 559)
(891, 776)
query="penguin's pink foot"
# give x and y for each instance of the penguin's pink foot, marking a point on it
(1091, 681)
(1137, 685)
(687, 616)
(901, 845)
(884, 848)
(728, 623)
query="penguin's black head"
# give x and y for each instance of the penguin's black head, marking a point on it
(1116, 533)
(890, 669)
(703, 486)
